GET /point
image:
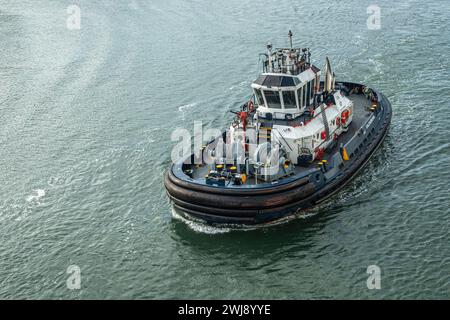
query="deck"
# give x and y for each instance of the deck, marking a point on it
(361, 112)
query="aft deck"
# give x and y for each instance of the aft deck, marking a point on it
(361, 113)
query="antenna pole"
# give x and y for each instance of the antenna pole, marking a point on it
(290, 37)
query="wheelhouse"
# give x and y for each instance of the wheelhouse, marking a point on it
(286, 94)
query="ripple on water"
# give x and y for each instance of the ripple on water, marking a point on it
(87, 116)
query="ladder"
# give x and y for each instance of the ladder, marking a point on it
(325, 121)
(264, 134)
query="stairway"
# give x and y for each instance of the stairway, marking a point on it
(325, 121)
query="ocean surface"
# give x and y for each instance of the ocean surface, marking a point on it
(86, 117)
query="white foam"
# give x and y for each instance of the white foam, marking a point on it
(186, 107)
(242, 84)
(201, 227)
(36, 196)
(198, 226)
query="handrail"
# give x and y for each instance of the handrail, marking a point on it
(283, 138)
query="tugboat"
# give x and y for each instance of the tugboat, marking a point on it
(294, 144)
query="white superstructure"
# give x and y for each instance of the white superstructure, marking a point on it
(292, 108)
(312, 137)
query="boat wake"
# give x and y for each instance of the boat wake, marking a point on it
(200, 226)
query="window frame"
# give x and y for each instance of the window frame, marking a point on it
(290, 92)
(299, 93)
(256, 92)
(280, 97)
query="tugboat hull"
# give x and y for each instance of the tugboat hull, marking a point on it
(252, 206)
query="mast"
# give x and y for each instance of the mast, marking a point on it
(290, 38)
(269, 58)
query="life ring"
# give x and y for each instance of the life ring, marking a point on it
(251, 107)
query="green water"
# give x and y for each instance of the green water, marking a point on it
(85, 123)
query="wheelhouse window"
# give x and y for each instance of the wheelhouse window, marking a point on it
(300, 97)
(308, 92)
(273, 99)
(259, 97)
(305, 102)
(289, 100)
